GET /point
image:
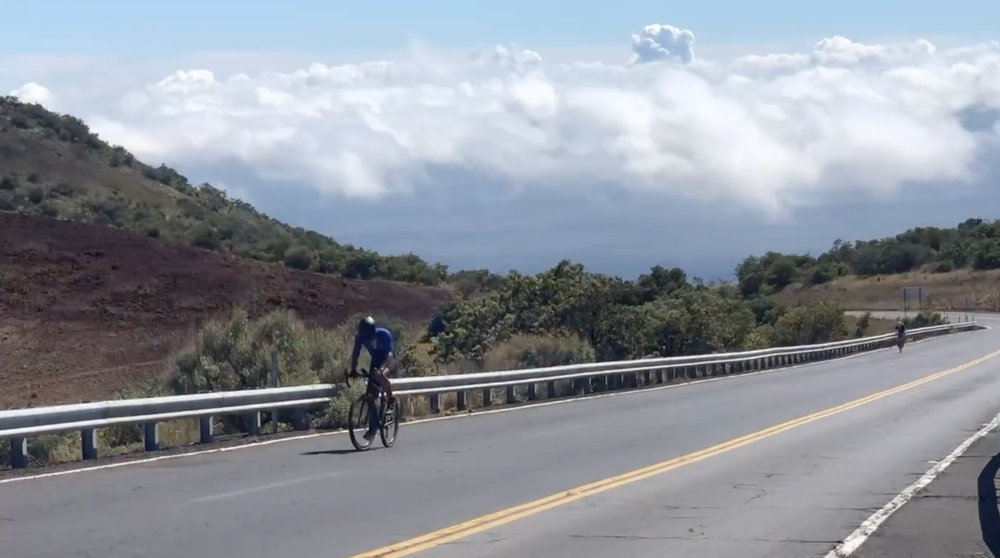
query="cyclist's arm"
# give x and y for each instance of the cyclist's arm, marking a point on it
(385, 340)
(389, 358)
(355, 353)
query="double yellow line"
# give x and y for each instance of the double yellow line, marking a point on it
(486, 522)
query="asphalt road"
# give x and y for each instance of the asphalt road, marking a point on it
(955, 517)
(794, 494)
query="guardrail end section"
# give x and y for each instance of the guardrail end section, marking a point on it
(18, 453)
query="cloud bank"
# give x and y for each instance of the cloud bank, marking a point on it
(766, 132)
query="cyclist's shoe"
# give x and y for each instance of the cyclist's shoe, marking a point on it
(369, 435)
(390, 404)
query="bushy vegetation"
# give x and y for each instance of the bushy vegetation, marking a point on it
(161, 202)
(660, 314)
(924, 319)
(973, 244)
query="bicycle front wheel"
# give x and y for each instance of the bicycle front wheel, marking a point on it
(357, 423)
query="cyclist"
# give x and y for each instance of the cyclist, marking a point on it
(900, 334)
(378, 341)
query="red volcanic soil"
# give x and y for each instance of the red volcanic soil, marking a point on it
(85, 309)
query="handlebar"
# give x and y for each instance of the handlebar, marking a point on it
(347, 375)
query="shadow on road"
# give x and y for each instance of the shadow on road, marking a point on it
(989, 514)
(332, 452)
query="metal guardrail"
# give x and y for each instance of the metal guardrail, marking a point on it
(20, 424)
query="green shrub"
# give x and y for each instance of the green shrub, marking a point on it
(7, 202)
(64, 189)
(205, 236)
(298, 257)
(864, 322)
(235, 354)
(538, 351)
(49, 209)
(10, 182)
(36, 194)
(925, 319)
(821, 322)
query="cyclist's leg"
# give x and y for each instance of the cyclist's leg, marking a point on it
(387, 384)
(372, 405)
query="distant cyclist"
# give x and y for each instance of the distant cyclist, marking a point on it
(900, 334)
(378, 341)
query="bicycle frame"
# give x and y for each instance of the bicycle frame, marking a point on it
(374, 396)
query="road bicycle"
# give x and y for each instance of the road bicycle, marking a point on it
(900, 341)
(388, 424)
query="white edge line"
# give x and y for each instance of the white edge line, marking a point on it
(457, 415)
(870, 525)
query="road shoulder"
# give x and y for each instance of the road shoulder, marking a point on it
(955, 516)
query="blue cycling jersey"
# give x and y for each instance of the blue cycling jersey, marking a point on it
(379, 346)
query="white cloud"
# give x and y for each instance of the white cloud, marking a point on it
(31, 92)
(663, 42)
(769, 132)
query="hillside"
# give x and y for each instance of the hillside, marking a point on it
(962, 289)
(87, 308)
(108, 266)
(958, 267)
(53, 165)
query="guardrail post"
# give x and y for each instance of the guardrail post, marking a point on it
(550, 389)
(275, 381)
(487, 397)
(151, 436)
(18, 453)
(88, 438)
(460, 402)
(253, 423)
(207, 427)
(532, 392)
(299, 421)
(511, 395)
(435, 401)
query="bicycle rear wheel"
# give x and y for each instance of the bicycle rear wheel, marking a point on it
(390, 424)
(358, 418)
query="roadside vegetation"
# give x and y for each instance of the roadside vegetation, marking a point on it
(958, 267)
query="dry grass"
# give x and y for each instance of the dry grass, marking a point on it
(876, 326)
(957, 290)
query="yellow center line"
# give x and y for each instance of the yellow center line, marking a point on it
(502, 517)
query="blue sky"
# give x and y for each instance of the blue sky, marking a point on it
(622, 166)
(117, 27)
